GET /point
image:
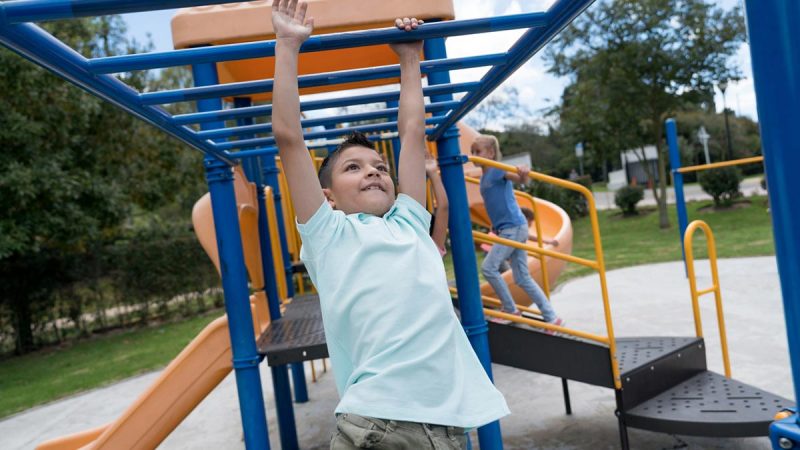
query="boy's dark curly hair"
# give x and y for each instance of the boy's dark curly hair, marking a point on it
(357, 139)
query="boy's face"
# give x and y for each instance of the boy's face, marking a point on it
(360, 183)
(482, 150)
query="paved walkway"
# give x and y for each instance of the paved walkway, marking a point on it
(646, 300)
(691, 192)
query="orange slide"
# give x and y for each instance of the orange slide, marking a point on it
(201, 366)
(553, 220)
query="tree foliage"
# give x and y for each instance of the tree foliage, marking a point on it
(74, 168)
(633, 63)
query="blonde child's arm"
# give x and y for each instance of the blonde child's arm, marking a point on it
(411, 116)
(442, 212)
(552, 242)
(292, 28)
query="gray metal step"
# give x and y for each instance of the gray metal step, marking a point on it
(708, 404)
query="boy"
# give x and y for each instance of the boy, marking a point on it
(507, 222)
(404, 369)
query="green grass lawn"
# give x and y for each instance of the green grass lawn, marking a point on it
(50, 374)
(745, 230)
(627, 241)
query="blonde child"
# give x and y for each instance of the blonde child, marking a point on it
(507, 222)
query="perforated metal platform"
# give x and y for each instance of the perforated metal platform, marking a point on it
(636, 352)
(709, 404)
(297, 336)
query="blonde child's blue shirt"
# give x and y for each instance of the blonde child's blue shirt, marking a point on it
(397, 349)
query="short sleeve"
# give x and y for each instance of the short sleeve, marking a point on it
(319, 231)
(410, 210)
(494, 176)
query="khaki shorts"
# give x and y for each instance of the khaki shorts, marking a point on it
(353, 431)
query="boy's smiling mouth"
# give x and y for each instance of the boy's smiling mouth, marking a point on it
(374, 186)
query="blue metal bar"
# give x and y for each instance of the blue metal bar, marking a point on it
(20, 11)
(775, 54)
(268, 151)
(469, 296)
(127, 63)
(396, 140)
(269, 141)
(322, 79)
(557, 17)
(266, 110)
(280, 374)
(325, 145)
(40, 47)
(677, 183)
(234, 284)
(321, 121)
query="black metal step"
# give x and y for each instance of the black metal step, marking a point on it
(297, 336)
(651, 365)
(708, 404)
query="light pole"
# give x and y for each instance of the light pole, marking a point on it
(579, 154)
(722, 85)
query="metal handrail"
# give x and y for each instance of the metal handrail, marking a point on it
(715, 288)
(598, 264)
(734, 162)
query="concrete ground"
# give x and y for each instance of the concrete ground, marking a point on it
(645, 301)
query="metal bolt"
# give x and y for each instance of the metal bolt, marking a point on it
(628, 379)
(652, 367)
(679, 355)
(785, 443)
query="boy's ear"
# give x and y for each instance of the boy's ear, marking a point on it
(329, 197)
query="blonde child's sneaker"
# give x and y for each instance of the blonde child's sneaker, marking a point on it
(558, 321)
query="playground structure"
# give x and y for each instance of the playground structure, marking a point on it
(638, 369)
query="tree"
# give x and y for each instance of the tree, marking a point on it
(498, 108)
(73, 170)
(641, 61)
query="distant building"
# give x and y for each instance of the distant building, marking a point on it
(633, 167)
(518, 159)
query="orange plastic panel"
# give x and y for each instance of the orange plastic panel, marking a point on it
(247, 22)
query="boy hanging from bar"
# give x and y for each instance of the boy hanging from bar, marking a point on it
(405, 371)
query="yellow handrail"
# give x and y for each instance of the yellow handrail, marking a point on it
(275, 242)
(598, 263)
(542, 261)
(712, 259)
(735, 162)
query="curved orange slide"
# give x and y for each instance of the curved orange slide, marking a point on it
(553, 220)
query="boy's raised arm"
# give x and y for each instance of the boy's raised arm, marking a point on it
(411, 116)
(292, 28)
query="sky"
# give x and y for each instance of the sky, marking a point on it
(537, 89)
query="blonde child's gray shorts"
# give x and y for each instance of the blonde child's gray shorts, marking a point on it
(354, 431)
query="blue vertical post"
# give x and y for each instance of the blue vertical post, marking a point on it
(270, 171)
(280, 374)
(677, 182)
(396, 140)
(234, 280)
(451, 162)
(775, 53)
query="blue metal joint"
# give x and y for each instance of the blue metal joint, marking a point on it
(784, 434)
(452, 160)
(217, 171)
(472, 330)
(246, 362)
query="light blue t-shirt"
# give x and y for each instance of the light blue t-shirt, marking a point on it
(498, 198)
(397, 349)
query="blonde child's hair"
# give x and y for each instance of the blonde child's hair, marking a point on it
(491, 141)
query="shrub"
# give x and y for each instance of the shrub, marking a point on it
(627, 197)
(721, 184)
(573, 203)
